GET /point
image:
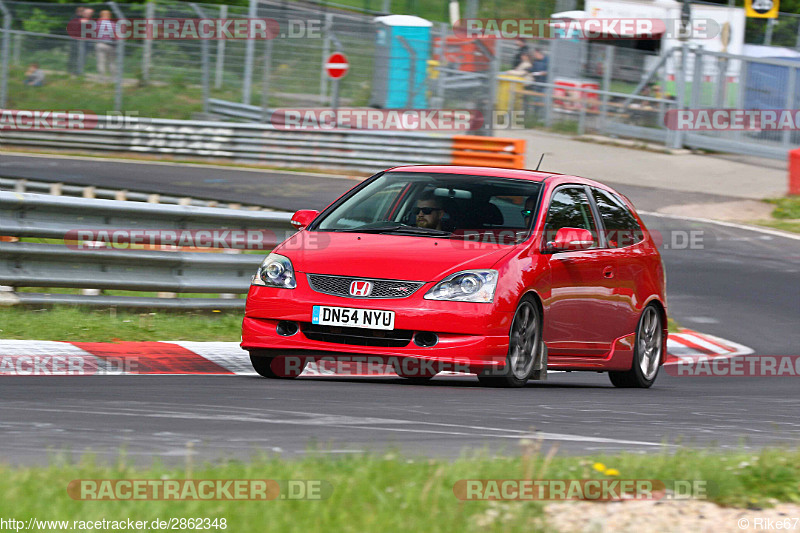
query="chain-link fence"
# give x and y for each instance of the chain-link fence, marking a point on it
(603, 89)
(579, 86)
(176, 78)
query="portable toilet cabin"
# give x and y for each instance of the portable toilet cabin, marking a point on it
(402, 51)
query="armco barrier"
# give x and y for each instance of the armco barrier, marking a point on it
(30, 264)
(257, 143)
(250, 143)
(488, 151)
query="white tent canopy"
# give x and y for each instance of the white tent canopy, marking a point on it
(758, 50)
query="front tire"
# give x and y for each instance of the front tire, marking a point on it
(414, 371)
(277, 367)
(526, 351)
(647, 353)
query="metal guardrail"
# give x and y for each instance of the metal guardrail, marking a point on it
(27, 264)
(363, 150)
(225, 108)
(91, 191)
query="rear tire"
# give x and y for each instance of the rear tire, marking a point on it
(277, 367)
(647, 353)
(526, 350)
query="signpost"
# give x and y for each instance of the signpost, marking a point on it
(336, 67)
(764, 9)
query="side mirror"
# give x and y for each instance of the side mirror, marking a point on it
(570, 240)
(303, 218)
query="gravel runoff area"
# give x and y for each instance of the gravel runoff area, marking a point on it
(667, 517)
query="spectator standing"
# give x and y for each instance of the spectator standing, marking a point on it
(73, 65)
(540, 66)
(521, 54)
(105, 49)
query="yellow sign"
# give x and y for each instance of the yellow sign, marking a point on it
(761, 9)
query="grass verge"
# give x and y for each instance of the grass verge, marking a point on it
(62, 92)
(786, 215)
(62, 323)
(395, 493)
(787, 207)
(784, 225)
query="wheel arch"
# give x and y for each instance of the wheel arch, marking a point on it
(536, 297)
(664, 323)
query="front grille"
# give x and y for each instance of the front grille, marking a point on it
(381, 288)
(395, 338)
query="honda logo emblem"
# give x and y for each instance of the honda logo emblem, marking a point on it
(360, 288)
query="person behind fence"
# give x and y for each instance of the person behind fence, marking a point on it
(523, 68)
(538, 76)
(73, 64)
(34, 76)
(522, 50)
(540, 66)
(106, 30)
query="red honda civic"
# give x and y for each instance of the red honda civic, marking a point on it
(501, 273)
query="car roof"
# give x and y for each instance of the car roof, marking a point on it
(475, 171)
(532, 175)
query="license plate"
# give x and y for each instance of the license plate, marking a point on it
(353, 318)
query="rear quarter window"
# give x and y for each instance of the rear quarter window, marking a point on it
(621, 227)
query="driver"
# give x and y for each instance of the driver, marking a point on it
(429, 211)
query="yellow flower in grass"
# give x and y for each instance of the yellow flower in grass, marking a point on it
(612, 472)
(600, 467)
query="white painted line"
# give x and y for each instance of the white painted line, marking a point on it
(682, 351)
(15, 347)
(759, 229)
(700, 341)
(228, 355)
(351, 423)
(738, 349)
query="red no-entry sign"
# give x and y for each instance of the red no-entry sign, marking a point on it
(337, 66)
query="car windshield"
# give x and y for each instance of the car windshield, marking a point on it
(438, 205)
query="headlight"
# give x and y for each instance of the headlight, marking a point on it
(466, 286)
(275, 271)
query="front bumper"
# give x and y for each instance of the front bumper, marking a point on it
(470, 334)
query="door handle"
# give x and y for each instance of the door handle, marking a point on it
(608, 272)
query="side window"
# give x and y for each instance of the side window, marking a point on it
(569, 208)
(511, 208)
(621, 227)
(375, 207)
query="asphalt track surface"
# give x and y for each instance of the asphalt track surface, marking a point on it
(742, 286)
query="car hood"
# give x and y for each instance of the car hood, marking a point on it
(403, 257)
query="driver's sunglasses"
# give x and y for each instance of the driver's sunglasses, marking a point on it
(527, 212)
(426, 210)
